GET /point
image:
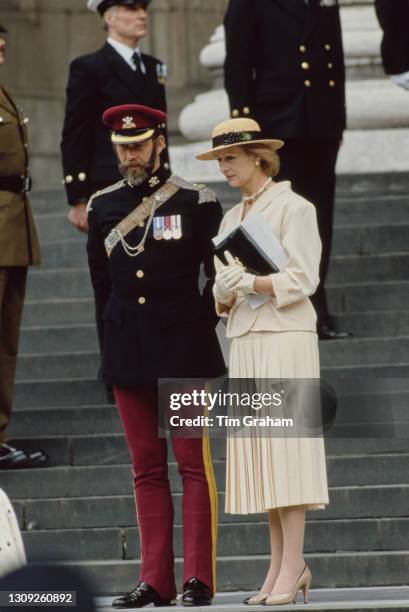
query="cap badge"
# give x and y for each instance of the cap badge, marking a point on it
(128, 123)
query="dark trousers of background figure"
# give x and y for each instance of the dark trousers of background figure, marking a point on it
(310, 166)
(12, 292)
(154, 506)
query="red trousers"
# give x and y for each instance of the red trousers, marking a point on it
(138, 412)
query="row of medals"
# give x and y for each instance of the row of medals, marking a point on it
(167, 228)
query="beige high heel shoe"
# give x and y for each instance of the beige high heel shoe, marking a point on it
(256, 600)
(302, 583)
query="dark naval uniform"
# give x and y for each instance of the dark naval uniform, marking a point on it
(285, 67)
(97, 82)
(19, 246)
(394, 20)
(159, 324)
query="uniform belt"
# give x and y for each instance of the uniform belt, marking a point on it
(17, 184)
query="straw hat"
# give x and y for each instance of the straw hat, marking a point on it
(234, 133)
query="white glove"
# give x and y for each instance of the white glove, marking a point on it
(226, 278)
(245, 282)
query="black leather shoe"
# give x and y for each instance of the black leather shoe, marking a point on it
(142, 596)
(196, 593)
(12, 458)
(325, 332)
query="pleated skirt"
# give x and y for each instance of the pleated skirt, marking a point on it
(264, 473)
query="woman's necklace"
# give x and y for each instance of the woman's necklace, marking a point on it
(247, 200)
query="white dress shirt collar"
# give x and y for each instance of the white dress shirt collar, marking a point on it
(126, 53)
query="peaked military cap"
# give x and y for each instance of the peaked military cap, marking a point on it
(133, 123)
(103, 5)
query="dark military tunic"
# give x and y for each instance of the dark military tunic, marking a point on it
(285, 66)
(157, 323)
(394, 19)
(97, 82)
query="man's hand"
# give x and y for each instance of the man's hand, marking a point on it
(78, 217)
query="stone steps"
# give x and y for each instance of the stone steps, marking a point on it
(358, 502)
(123, 543)
(78, 481)
(87, 498)
(81, 364)
(338, 569)
(375, 599)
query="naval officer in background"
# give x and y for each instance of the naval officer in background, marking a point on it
(285, 68)
(114, 75)
(394, 20)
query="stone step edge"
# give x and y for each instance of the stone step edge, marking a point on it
(78, 468)
(321, 522)
(94, 380)
(343, 553)
(221, 604)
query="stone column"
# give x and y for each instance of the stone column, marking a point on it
(377, 138)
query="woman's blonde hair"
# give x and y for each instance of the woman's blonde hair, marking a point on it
(269, 159)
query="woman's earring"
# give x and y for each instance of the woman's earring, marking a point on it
(257, 162)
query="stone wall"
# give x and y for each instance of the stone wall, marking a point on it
(44, 35)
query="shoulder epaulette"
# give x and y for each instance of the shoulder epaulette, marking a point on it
(108, 189)
(205, 193)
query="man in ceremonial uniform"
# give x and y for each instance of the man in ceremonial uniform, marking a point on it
(285, 67)
(145, 270)
(394, 20)
(114, 75)
(18, 249)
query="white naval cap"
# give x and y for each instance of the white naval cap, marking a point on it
(102, 5)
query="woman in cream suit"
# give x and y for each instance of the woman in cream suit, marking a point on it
(280, 476)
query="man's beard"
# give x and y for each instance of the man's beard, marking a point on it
(138, 175)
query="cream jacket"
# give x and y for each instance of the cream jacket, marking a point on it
(294, 222)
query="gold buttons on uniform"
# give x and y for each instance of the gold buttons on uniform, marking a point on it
(246, 110)
(140, 274)
(332, 83)
(305, 65)
(307, 83)
(69, 178)
(141, 300)
(235, 113)
(302, 48)
(26, 121)
(327, 47)
(1, 120)
(82, 177)
(330, 65)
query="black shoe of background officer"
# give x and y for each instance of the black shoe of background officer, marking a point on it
(326, 331)
(12, 458)
(142, 596)
(196, 593)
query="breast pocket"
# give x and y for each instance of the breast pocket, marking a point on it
(10, 136)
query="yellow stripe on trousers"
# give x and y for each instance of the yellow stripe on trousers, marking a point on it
(211, 482)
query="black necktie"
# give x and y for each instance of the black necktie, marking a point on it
(137, 61)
